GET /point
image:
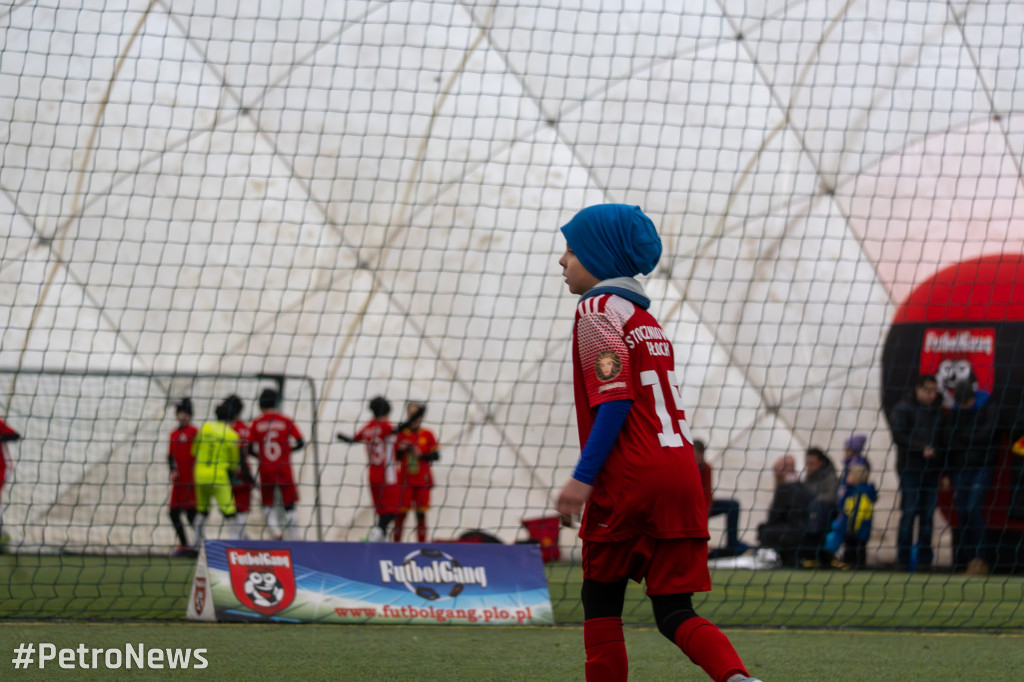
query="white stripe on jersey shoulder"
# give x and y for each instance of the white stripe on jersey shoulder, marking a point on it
(620, 308)
(591, 305)
(612, 305)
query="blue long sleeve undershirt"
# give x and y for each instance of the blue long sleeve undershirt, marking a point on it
(607, 423)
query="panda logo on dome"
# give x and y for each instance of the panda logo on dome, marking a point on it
(432, 584)
(952, 371)
(264, 589)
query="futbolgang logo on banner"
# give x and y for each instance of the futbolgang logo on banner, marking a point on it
(262, 579)
(432, 574)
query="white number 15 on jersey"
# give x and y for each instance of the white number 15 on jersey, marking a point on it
(668, 436)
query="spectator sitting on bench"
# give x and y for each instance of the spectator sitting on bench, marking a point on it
(718, 506)
(786, 528)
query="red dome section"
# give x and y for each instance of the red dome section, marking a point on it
(986, 289)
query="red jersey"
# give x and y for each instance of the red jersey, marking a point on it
(183, 491)
(379, 451)
(181, 452)
(242, 429)
(242, 485)
(414, 470)
(5, 430)
(649, 484)
(273, 433)
(705, 481)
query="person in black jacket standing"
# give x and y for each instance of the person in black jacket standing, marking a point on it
(915, 424)
(971, 460)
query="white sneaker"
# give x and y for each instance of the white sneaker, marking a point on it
(742, 678)
(376, 535)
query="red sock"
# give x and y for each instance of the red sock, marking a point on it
(708, 647)
(421, 530)
(606, 650)
(399, 522)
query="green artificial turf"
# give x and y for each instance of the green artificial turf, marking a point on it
(153, 587)
(787, 625)
(426, 653)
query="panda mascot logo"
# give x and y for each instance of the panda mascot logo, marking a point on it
(264, 589)
(263, 580)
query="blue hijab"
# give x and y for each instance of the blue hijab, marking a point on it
(613, 240)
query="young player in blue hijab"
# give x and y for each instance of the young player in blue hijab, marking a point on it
(645, 517)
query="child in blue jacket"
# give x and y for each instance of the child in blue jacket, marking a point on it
(853, 525)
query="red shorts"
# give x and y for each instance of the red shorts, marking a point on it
(417, 496)
(277, 477)
(243, 495)
(386, 498)
(183, 496)
(671, 566)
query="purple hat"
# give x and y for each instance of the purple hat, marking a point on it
(613, 240)
(856, 442)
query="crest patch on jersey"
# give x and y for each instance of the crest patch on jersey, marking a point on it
(608, 365)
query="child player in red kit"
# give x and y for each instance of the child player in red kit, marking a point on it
(383, 467)
(242, 481)
(276, 437)
(417, 448)
(183, 488)
(646, 515)
(7, 435)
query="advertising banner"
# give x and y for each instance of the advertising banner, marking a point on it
(360, 582)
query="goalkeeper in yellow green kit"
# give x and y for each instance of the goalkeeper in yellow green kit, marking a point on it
(217, 454)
